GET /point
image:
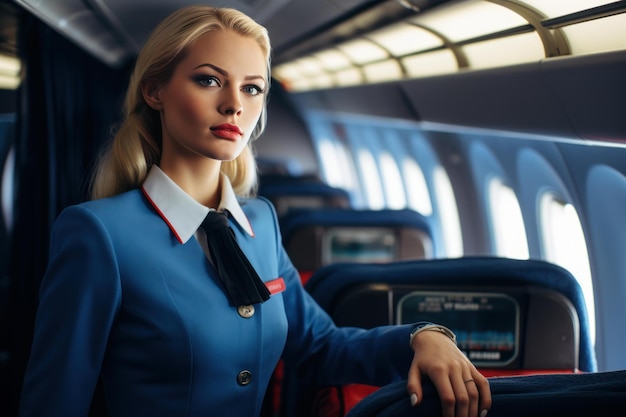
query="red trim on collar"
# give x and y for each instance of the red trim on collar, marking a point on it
(145, 193)
(250, 226)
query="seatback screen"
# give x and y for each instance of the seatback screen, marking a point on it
(365, 245)
(486, 324)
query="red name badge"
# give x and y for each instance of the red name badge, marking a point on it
(276, 285)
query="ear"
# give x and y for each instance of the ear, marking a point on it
(151, 95)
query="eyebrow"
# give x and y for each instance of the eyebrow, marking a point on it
(225, 73)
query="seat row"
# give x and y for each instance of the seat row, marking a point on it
(377, 267)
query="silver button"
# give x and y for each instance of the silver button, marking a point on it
(244, 377)
(246, 311)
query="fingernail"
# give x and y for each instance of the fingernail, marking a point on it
(484, 413)
(414, 399)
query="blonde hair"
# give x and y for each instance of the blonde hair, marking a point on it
(137, 143)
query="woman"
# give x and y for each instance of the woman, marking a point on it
(133, 296)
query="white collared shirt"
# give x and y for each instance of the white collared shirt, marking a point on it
(182, 213)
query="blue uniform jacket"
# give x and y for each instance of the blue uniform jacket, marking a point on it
(123, 300)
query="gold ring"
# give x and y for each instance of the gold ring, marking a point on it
(468, 380)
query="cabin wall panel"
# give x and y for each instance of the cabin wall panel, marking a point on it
(575, 97)
(514, 99)
(380, 100)
(592, 90)
(452, 152)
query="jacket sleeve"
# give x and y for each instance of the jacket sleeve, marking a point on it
(78, 300)
(338, 355)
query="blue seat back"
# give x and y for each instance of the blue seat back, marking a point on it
(535, 309)
(511, 317)
(317, 237)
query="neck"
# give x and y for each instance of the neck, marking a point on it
(201, 181)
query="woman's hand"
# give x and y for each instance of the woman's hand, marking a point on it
(463, 391)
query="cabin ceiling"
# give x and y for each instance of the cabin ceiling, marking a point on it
(586, 105)
(114, 30)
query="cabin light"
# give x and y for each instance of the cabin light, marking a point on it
(350, 76)
(9, 65)
(322, 81)
(467, 34)
(290, 76)
(557, 8)
(383, 71)
(295, 85)
(470, 19)
(601, 35)
(404, 39)
(430, 63)
(9, 82)
(290, 70)
(310, 66)
(511, 50)
(333, 60)
(362, 51)
(9, 72)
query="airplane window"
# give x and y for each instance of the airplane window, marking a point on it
(346, 166)
(565, 245)
(330, 162)
(371, 180)
(394, 190)
(508, 223)
(416, 187)
(8, 180)
(7, 148)
(335, 164)
(449, 214)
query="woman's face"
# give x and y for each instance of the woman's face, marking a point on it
(214, 99)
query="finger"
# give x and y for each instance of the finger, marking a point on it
(414, 385)
(461, 386)
(473, 395)
(484, 394)
(446, 391)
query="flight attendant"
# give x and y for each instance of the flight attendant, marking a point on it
(139, 297)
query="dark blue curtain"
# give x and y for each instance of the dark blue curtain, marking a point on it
(68, 104)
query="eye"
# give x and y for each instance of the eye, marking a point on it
(253, 90)
(207, 80)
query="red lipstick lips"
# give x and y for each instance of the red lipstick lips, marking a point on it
(227, 131)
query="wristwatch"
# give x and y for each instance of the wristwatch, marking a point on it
(423, 326)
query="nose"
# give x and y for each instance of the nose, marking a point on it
(231, 102)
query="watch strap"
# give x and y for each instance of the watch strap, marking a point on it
(427, 326)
